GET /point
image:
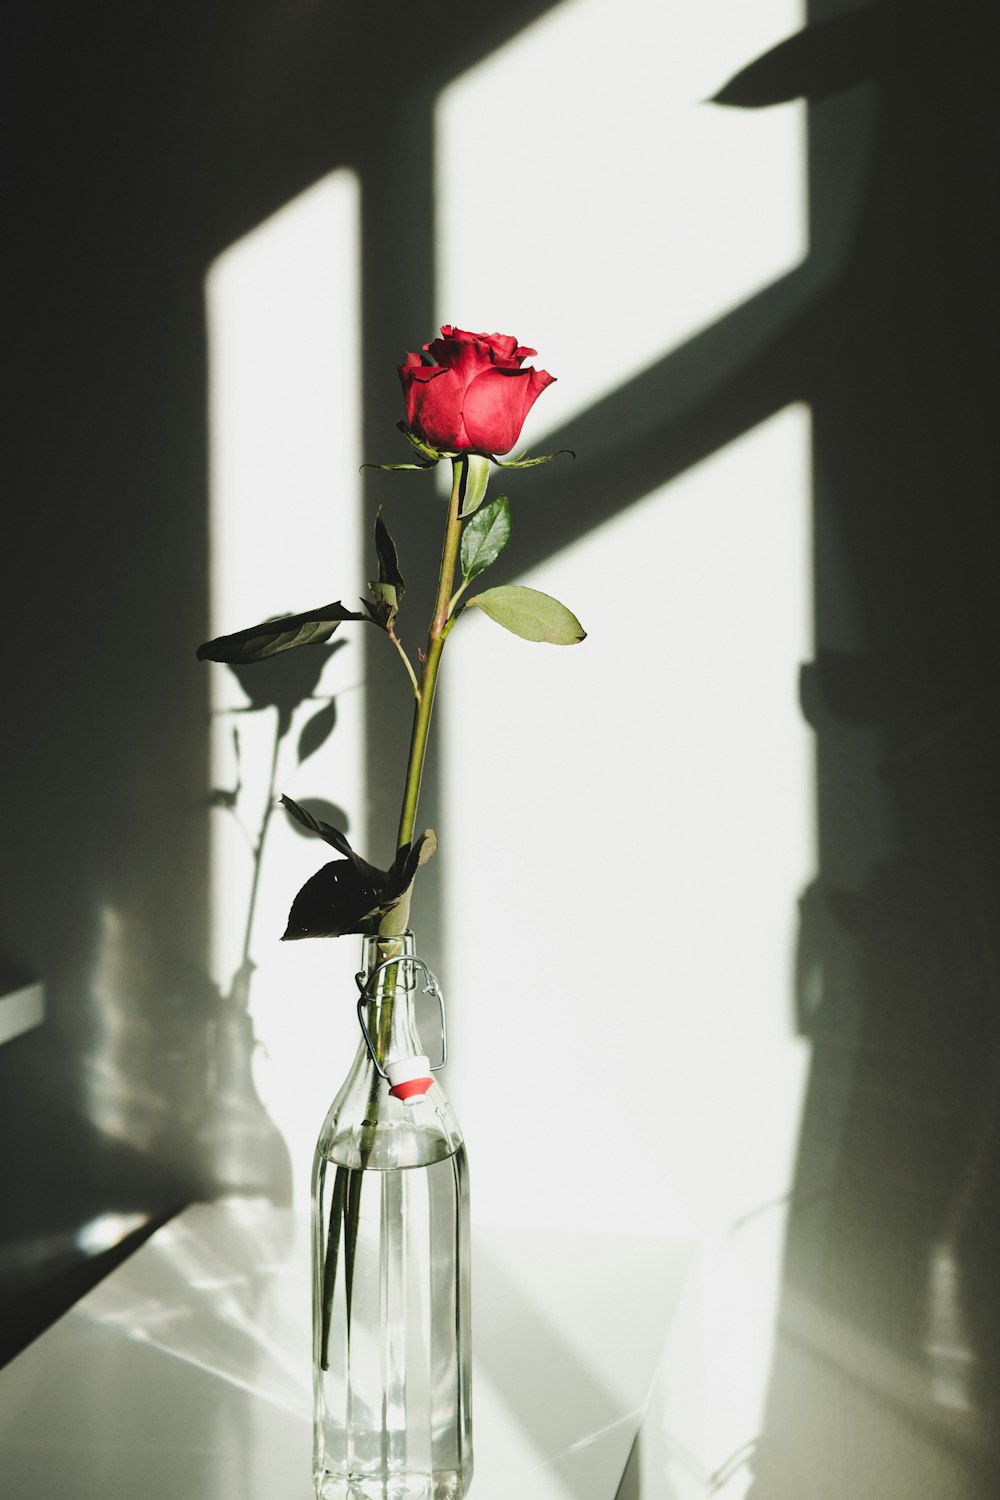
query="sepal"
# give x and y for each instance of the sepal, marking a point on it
(475, 482)
(428, 456)
(524, 462)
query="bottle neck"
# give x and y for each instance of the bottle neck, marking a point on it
(390, 988)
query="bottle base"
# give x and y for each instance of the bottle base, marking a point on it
(447, 1485)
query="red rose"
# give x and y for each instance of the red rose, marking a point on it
(476, 397)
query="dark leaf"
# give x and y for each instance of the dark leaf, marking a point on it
(532, 615)
(388, 560)
(315, 825)
(485, 536)
(273, 636)
(370, 874)
(318, 730)
(350, 895)
(334, 901)
(320, 810)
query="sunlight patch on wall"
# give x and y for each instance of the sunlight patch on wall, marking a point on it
(635, 869)
(285, 534)
(591, 203)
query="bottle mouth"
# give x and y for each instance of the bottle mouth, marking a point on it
(409, 1077)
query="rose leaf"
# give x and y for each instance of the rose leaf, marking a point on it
(334, 901)
(532, 615)
(388, 560)
(261, 641)
(385, 605)
(485, 536)
(333, 836)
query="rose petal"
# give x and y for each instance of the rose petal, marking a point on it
(496, 404)
(460, 350)
(434, 405)
(503, 347)
(468, 356)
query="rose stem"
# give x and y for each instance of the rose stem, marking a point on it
(396, 921)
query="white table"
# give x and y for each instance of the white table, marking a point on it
(185, 1375)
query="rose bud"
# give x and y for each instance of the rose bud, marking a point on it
(476, 396)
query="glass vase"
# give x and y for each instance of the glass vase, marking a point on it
(390, 1209)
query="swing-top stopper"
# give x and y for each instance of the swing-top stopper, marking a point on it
(409, 1076)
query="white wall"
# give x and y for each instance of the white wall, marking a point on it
(284, 335)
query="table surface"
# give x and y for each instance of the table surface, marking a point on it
(185, 1375)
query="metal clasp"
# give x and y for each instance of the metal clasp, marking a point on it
(431, 987)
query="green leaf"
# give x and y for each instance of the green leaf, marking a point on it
(485, 537)
(318, 730)
(388, 589)
(259, 642)
(385, 607)
(532, 615)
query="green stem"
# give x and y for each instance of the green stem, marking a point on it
(347, 1185)
(394, 638)
(396, 921)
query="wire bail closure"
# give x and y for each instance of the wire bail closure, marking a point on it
(406, 1076)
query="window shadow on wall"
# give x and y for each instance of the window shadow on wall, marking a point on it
(885, 1374)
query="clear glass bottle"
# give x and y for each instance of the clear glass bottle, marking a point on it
(390, 1203)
